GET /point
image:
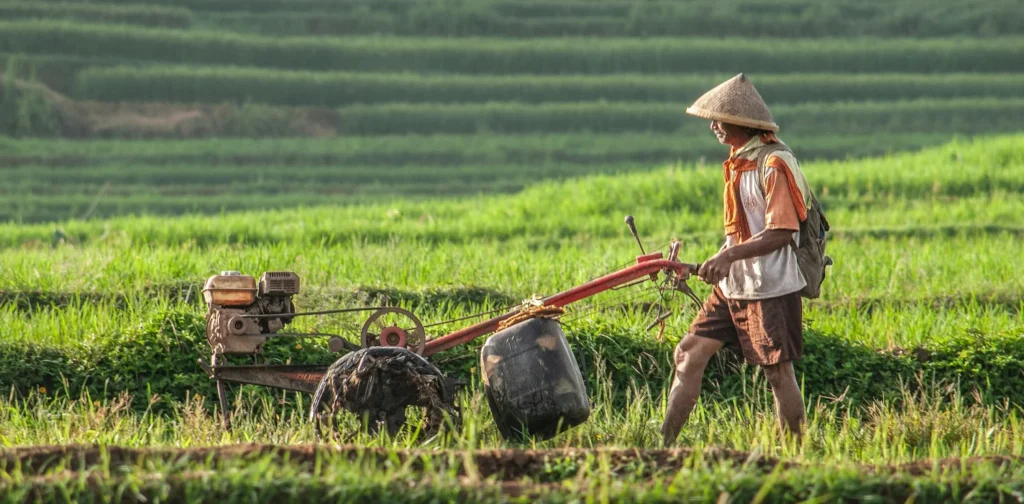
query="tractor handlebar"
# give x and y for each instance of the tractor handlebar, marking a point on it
(647, 265)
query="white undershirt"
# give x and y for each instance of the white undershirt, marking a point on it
(771, 275)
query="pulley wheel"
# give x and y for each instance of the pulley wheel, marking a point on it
(393, 327)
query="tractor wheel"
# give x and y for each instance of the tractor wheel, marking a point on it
(380, 382)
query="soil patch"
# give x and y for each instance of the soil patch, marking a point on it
(88, 119)
(163, 120)
(503, 464)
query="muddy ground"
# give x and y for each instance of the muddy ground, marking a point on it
(502, 464)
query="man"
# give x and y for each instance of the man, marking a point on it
(755, 304)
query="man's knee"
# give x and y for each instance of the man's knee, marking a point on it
(694, 352)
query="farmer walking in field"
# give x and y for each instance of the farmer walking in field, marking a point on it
(763, 269)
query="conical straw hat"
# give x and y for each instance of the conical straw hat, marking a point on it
(735, 101)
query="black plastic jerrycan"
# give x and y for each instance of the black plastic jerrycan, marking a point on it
(532, 381)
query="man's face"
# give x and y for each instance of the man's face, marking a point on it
(728, 134)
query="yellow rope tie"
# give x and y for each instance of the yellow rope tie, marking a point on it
(529, 312)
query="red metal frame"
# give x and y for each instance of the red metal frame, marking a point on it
(649, 264)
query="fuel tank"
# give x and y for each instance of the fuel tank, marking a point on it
(532, 381)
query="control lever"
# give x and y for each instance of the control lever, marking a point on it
(632, 229)
(661, 318)
(680, 283)
(684, 287)
(673, 251)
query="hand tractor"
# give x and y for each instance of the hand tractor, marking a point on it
(531, 378)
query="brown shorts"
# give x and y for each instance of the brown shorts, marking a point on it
(768, 331)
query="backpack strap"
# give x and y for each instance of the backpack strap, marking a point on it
(762, 159)
(762, 167)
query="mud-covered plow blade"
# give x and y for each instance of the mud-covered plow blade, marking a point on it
(297, 378)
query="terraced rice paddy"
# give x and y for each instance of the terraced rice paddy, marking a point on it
(459, 157)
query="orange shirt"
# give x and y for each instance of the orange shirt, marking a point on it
(781, 212)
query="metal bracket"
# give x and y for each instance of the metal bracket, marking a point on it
(294, 377)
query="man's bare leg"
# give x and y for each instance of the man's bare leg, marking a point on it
(691, 357)
(789, 404)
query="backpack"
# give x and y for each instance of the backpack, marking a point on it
(810, 253)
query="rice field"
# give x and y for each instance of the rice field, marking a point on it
(496, 56)
(914, 352)
(215, 84)
(55, 180)
(534, 18)
(456, 158)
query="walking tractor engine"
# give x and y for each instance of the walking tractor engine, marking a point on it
(243, 312)
(530, 376)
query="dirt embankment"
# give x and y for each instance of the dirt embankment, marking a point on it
(506, 464)
(502, 464)
(505, 474)
(53, 114)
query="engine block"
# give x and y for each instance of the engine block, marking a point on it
(240, 318)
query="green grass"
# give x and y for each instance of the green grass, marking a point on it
(250, 481)
(846, 457)
(541, 264)
(434, 150)
(634, 19)
(58, 71)
(190, 84)
(516, 18)
(55, 180)
(966, 115)
(489, 164)
(143, 15)
(928, 426)
(537, 56)
(914, 186)
(905, 213)
(913, 353)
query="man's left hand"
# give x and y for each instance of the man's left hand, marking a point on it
(715, 269)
